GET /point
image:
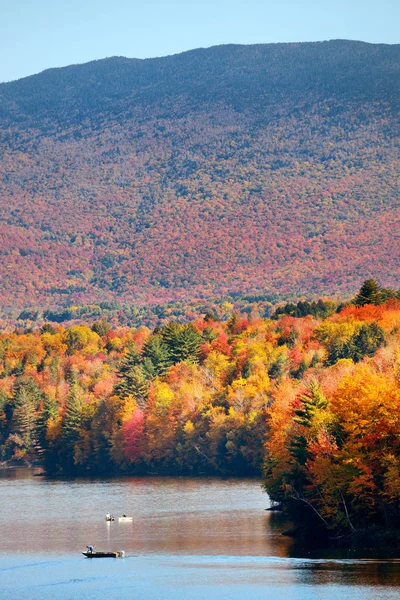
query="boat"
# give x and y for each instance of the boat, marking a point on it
(125, 519)
(119, 554)
(110, 517)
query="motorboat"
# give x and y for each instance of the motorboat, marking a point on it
(93, 554)
(125, 519)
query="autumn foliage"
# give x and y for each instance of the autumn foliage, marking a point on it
(332, 447)
(266, 169)
(312, 402)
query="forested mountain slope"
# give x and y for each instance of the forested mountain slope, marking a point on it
(234, 169)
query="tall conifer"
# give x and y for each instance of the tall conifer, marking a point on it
(71, 423)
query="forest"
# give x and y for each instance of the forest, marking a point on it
(235, 170)
(310, 400)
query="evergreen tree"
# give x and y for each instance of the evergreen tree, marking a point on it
(71, 424)
(209, 334)
(369, 293)
(183, 342)
(210, 316)
(277, 367)
(131, 359)
(101, 429)
(367, 341)
(170, 335)
(24, 420)
(156, 356)
(132, 378)
(190, 342)
(149, 369)
(49, 411)
(136, 385)
(364, 342)
(25, 405)
(312, 401)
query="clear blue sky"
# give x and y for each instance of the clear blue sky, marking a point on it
(38, 34)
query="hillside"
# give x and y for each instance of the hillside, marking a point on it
(229, 170)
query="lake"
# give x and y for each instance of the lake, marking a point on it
(190, 538)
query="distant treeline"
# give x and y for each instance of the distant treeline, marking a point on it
(152, 315)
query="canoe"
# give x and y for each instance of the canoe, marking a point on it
(125, 519)
(119, 554)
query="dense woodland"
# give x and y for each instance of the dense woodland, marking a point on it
(311, 400)
(235, 170)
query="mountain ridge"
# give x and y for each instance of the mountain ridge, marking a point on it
(227, 55)
(202, 49)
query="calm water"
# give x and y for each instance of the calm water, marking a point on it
(190, 538)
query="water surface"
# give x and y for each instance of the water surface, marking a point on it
(190, 538)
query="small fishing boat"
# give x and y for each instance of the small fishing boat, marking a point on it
(124, 518)
(119, 554)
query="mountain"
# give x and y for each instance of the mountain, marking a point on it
(234, 169)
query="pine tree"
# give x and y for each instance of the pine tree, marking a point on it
(183, 342)
(133, 381)
(136, 385)
(71, 424)
(156, 356)
(49, 411)
(367, 341)
(130, 360)
(170, 336)
(25, 405)
(312, 401)
(369, 293)
(24, 419)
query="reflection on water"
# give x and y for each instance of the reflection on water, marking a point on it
(171, 515)
(212, 537)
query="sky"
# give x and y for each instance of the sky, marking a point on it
(39, 34)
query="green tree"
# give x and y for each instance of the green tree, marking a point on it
(156, 357)
(71, 424)
(312, 401)
(135, 384)
(25, 403)
(277, 367)
(44, 448)
(369, 293)
(132, 378)
(366, 341)
(183, 342)
(130, 360)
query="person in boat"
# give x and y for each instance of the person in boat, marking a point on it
(90, 549)
(124, 515)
